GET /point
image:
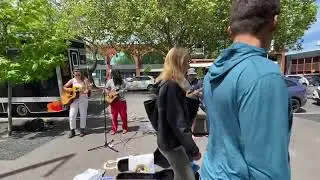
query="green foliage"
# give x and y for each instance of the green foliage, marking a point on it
(199, 72)
(153, 58)
(122, 59)
(95, 21)
(147, 70)
(164, 24)
(39, 31)
(296, 16)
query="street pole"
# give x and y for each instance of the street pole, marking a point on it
(13, 53)
(9, 109)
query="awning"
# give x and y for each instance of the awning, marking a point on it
(195, 65)
(152, 70)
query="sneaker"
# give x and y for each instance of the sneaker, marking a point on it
(72, 133)
(82, 133)
(113, 133)
(124, 131)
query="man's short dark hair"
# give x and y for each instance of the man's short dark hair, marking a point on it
(251, 16)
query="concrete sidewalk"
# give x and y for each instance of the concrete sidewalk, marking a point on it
(61, 158)
(64, 158)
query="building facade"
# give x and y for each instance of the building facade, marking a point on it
(304, 62)
(131, 60)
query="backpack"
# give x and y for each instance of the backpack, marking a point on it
(35, 125)
(151, 106)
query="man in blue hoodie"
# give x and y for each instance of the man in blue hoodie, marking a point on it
(247, 101)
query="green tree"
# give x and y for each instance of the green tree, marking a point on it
(163, 23)
(153, 58)
(147, 70)
(199, 72)
(295, 18)
(122, 59)
(39, 31)
(95, 22)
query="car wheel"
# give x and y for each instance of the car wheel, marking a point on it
(22, 110)
(150, 87)
(295, 105)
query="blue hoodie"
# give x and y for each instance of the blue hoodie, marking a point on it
(249, 117)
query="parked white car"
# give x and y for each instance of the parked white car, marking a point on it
(302, 80)
(140, 83)
(316, 95)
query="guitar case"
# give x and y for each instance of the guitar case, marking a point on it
(166, 174)
(159, 159)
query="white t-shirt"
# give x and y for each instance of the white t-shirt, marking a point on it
(82, 85)
(110, 86)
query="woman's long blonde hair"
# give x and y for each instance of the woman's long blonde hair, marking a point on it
(175, 66)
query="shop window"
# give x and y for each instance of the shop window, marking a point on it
(300, 61)
(294, 61)
(316, 59)
(308, 60)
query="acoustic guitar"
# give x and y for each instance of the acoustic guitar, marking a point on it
(192, 93)
(69, 96)
(111, 96)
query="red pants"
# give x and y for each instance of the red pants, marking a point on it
(119, 107)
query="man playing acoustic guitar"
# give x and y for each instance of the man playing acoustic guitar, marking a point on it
(116, 89)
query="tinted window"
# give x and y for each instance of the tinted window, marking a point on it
(3, 90)
(145, 78)
(290, 83)
(137, 79)
(309, 77)
(295, 77)
(45, 88)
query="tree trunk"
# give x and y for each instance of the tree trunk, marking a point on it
(9, 109)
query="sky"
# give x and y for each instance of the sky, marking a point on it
(312, 36)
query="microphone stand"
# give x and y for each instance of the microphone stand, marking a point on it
(106, 144)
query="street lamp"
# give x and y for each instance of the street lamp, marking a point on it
(166, 20)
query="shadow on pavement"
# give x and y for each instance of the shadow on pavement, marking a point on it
(316, 103)
(97, 127)
(22, 142)
(301, 110)
(63, 160)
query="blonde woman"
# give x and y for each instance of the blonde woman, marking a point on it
(80, 104)
(174, 135)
